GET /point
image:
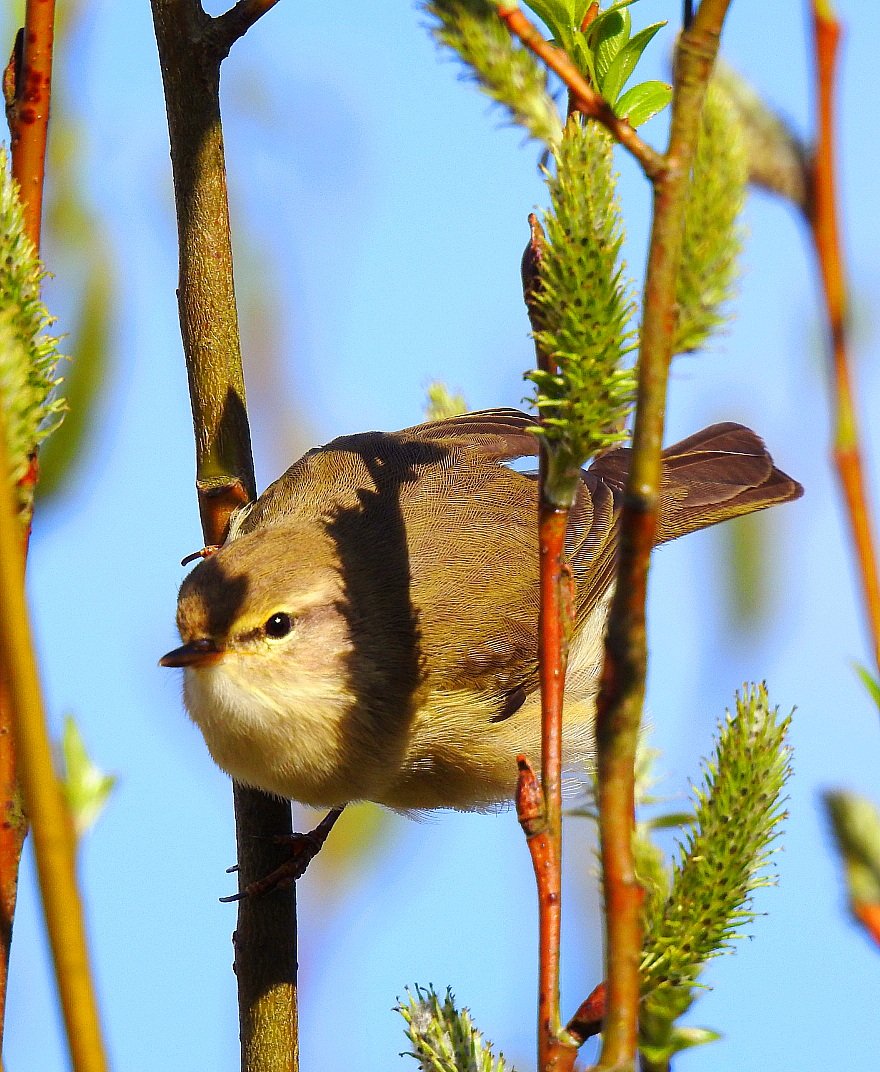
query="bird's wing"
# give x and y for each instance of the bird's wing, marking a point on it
(499, 434)
(721, 472)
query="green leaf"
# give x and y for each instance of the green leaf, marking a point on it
(643, 101)
(684, 1038)
(557, 15)
(855, 822)
(624, 63)
(579, 11)
(671, 821)
(870, 682)
(680, 1038)
(607, 35)
(86, 786)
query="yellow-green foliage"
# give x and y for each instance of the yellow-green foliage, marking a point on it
(582, 309)
(508, 73)
(442, 402)
(28, 356)
(720, 864)
(444, 1039)
(712, 234)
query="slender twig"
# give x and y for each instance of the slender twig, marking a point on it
(190, 51)
(544, 828)
(822, 217)
(27, 87)
(869, 917)
(623, 675)
(52, 831)
(582, 95)
(28, 111)
(236, 22)
(554, 628)
(557, 1050)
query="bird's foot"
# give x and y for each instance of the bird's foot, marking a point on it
(303, 849)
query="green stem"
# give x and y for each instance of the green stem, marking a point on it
(623, 678)
(53, 838)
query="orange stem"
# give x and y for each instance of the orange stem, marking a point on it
(826, 239)
(28, 112)
(27, 89)
(869, 917)
(581, 94)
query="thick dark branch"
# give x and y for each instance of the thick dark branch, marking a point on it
(190, 56)
(236, 22)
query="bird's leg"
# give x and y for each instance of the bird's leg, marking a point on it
(303, 849)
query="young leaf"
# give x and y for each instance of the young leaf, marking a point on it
(556, 15)
(871, 684)
(643, 102)
(624, 63)
(86, 786)
(610, 32)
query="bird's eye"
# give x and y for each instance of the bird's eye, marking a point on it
(278, 626)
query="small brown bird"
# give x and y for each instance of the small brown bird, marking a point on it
(369, 629)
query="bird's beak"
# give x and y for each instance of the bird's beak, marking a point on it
(199, 652)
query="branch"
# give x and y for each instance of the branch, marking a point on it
(822, 218)
(54, 846)
(27, 87)
(27, 108)
(556, 1050)
(582, 96)
(236, 22)
(190, 53)
(623, 676)
(539, 807)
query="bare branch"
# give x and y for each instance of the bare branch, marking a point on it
(236, 22)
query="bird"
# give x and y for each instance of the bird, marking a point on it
(369, 628)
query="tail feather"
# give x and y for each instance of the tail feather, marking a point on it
(721, 472)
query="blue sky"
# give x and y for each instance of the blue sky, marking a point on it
(380, 213)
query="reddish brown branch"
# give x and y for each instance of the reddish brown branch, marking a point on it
(582, 95)
(869, 917)
(556, 1050)
(826, 240)
(622, 689)
(236, 22)
(27, 109)
(587, 1021)
(27, 84)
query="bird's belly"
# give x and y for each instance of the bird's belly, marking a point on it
(259, 743)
